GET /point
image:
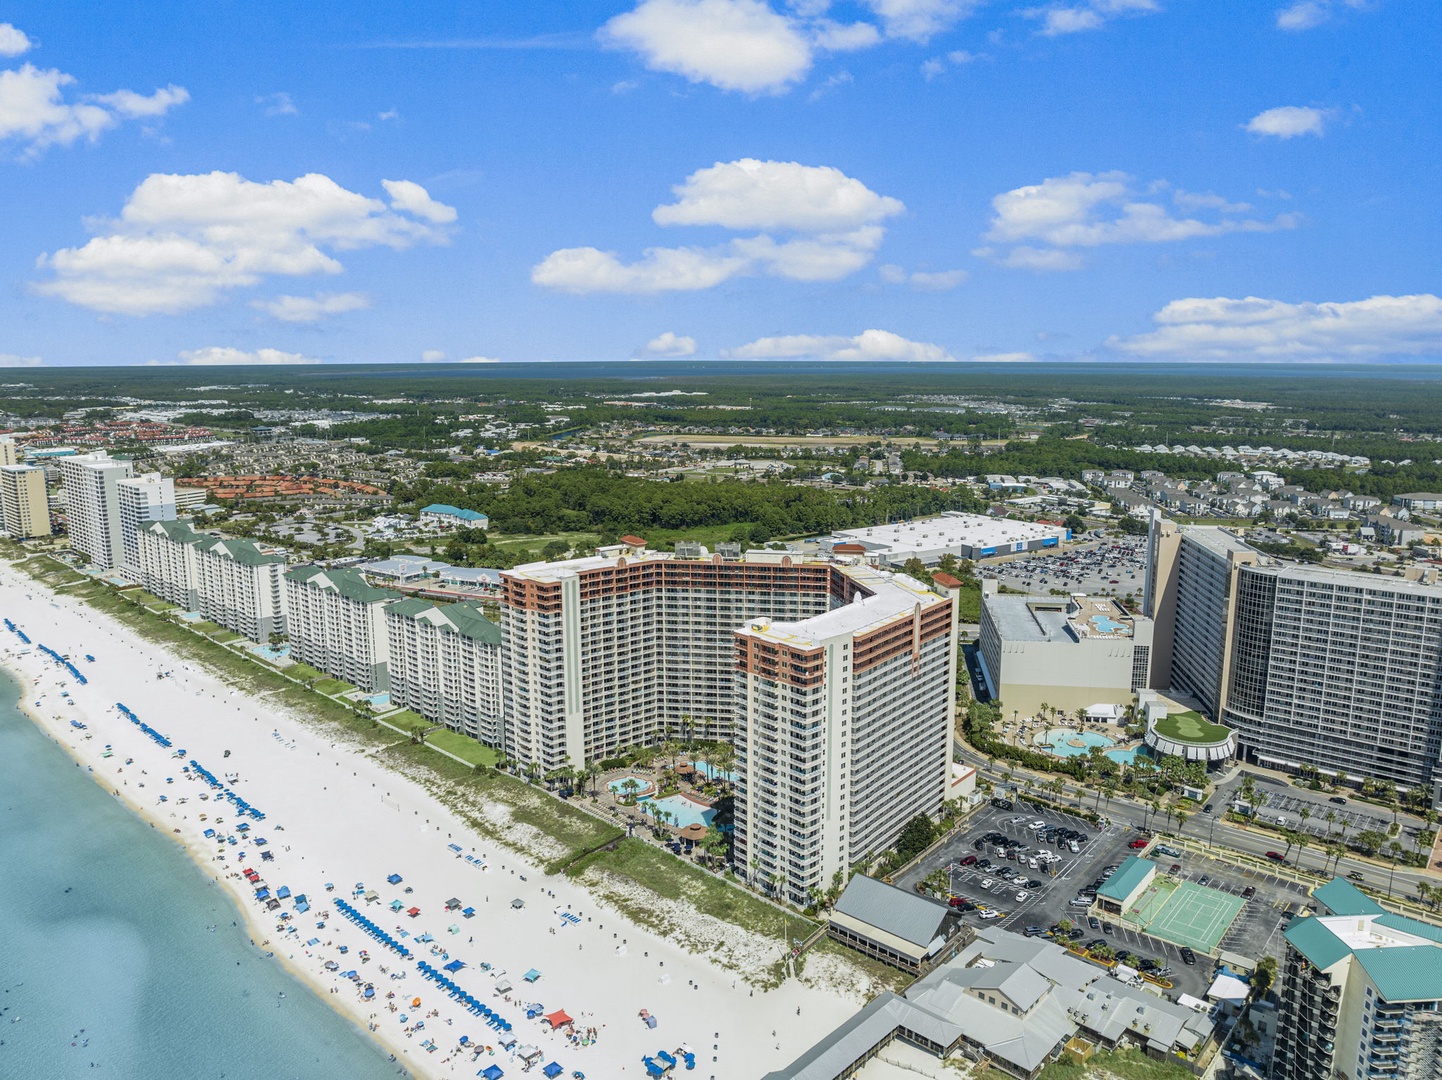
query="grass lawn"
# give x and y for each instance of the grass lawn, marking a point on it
(329, 687)
(675, 879)
(463, 746)
(407, 720)
(1121, 1064)
(1190, 727)
(570, 539)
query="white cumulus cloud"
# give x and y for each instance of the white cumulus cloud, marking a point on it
(1084, 210)
(1059, 19)
(182, 240)
(868, 345)
(833, 222)
(310, 309)
(732, 44)
(670, 344)
(432, 356)
(35, 111)
(1220, 328)
(1288, 121)
(217, 355)
(13, 41)
(278, 104)
(751, 47)
(11, 360)
(1305, 14)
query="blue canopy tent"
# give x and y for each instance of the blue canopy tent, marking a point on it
(532, 975)
(394, 879)
(553, 1070)
(491, 1072)
(455, 965)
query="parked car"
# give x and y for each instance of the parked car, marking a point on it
(1107, 929)
(1076, 932)
(962, 904)
(1249, 892)
(1139, 842)
(1188, 957)
(979, 845)
(1002, 804)
(1204, 879)
(983, 864)
(987, 913)
(1176, 868)
(1163, 849)
(986, 883)
(1094, 922)
(1033, 931)
(970, 860)
(1080, 901)
(1022, 898)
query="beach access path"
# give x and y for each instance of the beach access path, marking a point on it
(336, 814)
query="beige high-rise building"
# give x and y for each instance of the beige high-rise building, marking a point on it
(24, 511)
(8, 453)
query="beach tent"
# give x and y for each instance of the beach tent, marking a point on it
(503, 986)
(469, 912)
(518, 903)
(557, 1019)
(283, 893)
(453, 904)
(553, 1070)
(455, 965)
(394, 879)
(413, 912)
(532, 975)
(454, 929)
(491, 1072)
(396, 905)
(528, 1052)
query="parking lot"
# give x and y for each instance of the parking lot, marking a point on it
(1288, 807)
(1254, 933)
(1115, 567)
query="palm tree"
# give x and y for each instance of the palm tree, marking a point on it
(1155, 807)
(1303, 839)
(1290, 835)
(1336, 850)
(1249, 793)
(1331, 819)
(1394, 852)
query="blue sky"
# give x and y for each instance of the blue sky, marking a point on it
(853, 179)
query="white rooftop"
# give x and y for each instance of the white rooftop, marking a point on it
(951, 529)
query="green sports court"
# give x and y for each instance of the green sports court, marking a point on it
(1185, 914)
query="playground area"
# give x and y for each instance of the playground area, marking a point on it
(1184, 913)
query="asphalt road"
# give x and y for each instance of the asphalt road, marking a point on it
(1210, 828)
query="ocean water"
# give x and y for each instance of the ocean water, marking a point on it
(107, 968)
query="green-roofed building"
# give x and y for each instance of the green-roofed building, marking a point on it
(338, 624)
(445, 663)
(231, 582)
(1120, 891)
(1361, 993)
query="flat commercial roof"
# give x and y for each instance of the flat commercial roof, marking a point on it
(951, 529)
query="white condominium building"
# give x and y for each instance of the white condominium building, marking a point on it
(242, 588)
(337, 624)
(24, 511)
(230, 582)
(618, 649)
(445, 663)
(844, 730)
(168, 565)
(834, 680)
(92, 506)
(142, 499)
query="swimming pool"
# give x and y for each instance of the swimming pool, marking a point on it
(706, 769)
(1126, 757)
(685, 811)
(271, 652)
(1105, 624)
(642, 786)
(1064, 742)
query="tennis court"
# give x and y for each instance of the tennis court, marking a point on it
(1191, 915)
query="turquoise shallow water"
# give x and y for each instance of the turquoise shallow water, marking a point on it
(103, 927)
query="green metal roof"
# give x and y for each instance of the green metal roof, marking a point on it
(178, 531)
(1130, 876)
(243, 552)
(469, 622)
(346, 582)
(1340, 897)
(1411, 926)
(1406, 973)
(464, 618)
(1314, 941)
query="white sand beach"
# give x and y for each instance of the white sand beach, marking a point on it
(333, 814)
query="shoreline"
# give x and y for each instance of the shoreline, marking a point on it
(259, 939)
(374, 821)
